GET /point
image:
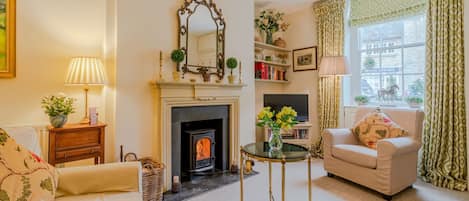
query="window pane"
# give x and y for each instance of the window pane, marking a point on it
(381, 35)
(414, 85)
(393, 82)
(369, 64)
(414, 59)
(370, 86)
(414, 29)
(391, 61)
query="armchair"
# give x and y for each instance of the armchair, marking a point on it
(389, 169)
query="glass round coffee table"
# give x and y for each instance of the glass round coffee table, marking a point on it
(290, 153)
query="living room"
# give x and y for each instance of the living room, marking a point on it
(89, 87)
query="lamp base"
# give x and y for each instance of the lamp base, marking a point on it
(85, 120)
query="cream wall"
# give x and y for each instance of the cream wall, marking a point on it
(48, 35)
(145, 28)
(301, 34)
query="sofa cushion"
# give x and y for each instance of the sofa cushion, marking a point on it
(116, 196)
(24, 175)
(376, 126)
(356, 154)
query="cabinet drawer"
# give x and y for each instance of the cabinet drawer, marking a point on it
(83, 138)
(72, 154)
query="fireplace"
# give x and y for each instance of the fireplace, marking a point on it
(199, 149)
(200, 140)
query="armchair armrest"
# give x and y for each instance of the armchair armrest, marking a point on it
(397, 146)
(112, 177)
(339, 136)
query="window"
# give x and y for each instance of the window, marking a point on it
(391, 54)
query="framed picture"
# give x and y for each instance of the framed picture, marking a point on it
(7, 38)
(305, 59)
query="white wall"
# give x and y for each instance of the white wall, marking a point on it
(145, 28)
(49, 33)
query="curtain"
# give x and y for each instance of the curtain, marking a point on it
(443, 157)
(374, 11)
(330, 32)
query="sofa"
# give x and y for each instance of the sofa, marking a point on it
(389, 169)
(106, 182)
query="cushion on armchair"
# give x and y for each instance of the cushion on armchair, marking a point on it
(23, 175)
(376, 126)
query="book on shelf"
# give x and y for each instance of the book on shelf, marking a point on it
(268, 72)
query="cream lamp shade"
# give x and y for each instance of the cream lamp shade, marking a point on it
(85, 71)
(333, 66)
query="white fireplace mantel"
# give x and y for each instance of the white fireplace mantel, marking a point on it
(188, 94)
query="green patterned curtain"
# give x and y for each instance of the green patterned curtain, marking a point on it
(374, 11)
(443, 160)
(330, 31)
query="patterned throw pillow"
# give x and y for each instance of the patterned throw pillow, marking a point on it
(23, 175)
(376, 126)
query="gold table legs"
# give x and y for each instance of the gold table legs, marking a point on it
(241, 174)
(241, 178)
(271, 197)
(283, 180)
(310, 196)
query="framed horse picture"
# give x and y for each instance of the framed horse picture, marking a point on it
(7, 38)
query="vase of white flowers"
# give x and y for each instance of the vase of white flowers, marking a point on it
(58, 108)
(270, 21)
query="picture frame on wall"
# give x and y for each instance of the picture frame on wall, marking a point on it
(305, 59)
(7, 38)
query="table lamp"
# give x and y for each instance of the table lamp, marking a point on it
(85, 71)
(333, 66)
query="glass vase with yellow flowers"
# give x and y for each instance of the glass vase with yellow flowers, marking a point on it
(276, 121)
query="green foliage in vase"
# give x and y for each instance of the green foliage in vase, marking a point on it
(271, 20)
(57, 105)
(232, 63)
(178, 55)
(284, 119)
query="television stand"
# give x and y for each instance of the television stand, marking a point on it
(300, 134)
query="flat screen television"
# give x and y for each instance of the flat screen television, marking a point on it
(299, 102)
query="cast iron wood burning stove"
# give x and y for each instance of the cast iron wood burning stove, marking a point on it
(201, 150)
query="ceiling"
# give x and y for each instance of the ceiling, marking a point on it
(286, 6)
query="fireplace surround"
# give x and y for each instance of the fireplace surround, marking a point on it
(169, 95)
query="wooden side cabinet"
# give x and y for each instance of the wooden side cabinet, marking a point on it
(76, 142)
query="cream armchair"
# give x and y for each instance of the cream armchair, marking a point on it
(389, 169)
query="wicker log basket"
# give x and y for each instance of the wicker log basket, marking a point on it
(152, 178)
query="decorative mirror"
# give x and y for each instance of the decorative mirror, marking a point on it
(202, 38)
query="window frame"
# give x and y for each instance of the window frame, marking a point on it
(355, 61)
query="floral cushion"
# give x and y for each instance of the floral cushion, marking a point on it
(376, 126)
(23, 175)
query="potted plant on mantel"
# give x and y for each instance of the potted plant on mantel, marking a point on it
(231, 63)
(58, 108)
(177, 56)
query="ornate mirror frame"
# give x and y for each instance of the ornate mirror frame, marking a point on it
(206, 71)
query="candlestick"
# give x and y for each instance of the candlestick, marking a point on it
(240, 72)
(161, 65)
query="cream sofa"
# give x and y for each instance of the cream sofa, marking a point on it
(389, 169)
(107, 182)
